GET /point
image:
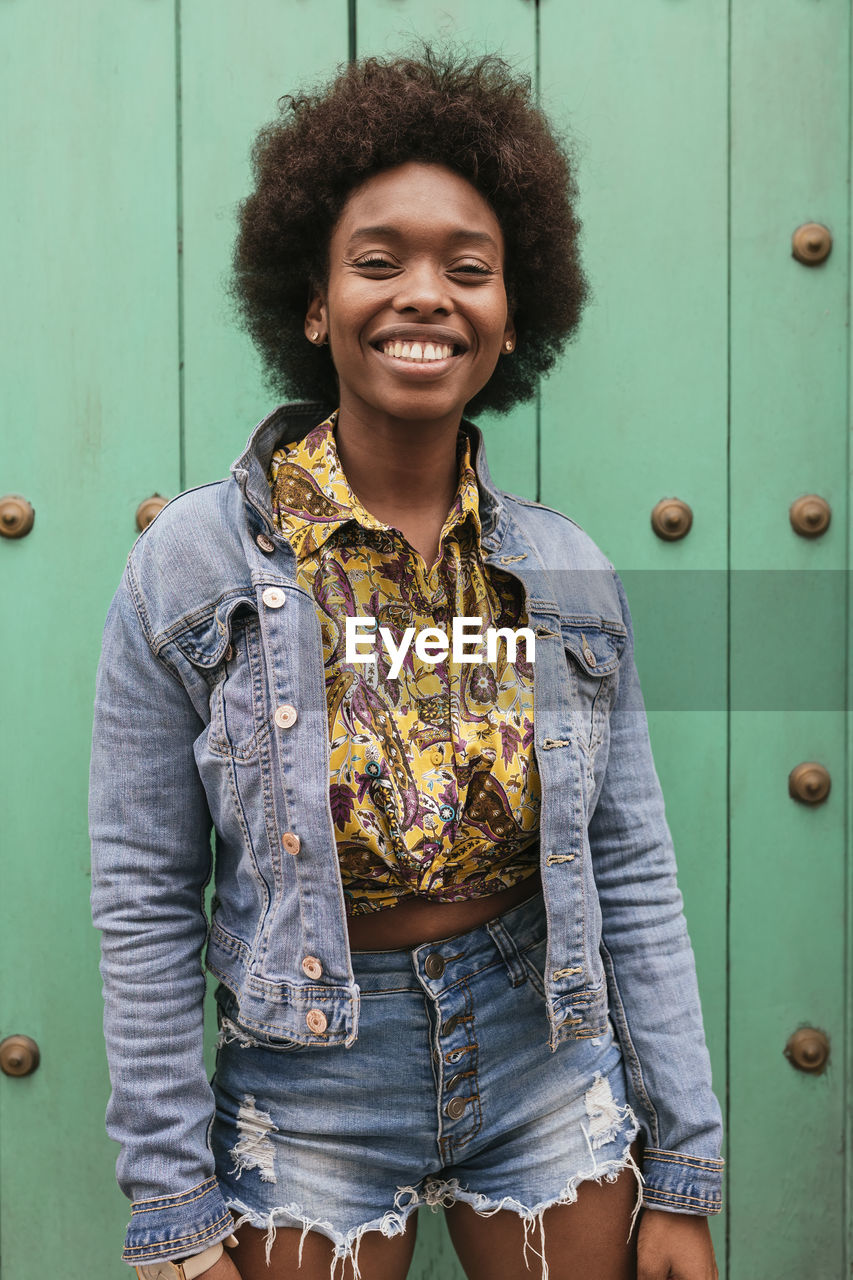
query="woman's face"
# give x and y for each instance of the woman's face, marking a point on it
(415, 309)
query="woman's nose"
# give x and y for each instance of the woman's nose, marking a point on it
(423, 289)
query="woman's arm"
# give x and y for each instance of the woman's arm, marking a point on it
(151, 859)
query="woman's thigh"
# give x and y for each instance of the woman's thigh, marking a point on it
(587, 1239)
(310, 1256)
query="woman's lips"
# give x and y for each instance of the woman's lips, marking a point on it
(421, 352)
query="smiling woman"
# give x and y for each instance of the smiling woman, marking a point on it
(454, 866)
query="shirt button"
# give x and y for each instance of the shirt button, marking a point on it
(291, 842)
(265, 543)
(434, 965)
(317, 1023)
(273, 597)
(285, 715)
(456, 1108)
(311, 967)
(437, 756)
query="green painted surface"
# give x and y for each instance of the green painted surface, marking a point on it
(710, 366)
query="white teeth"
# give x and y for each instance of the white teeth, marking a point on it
(417, 350)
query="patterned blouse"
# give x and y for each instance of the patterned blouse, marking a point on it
(434, 788)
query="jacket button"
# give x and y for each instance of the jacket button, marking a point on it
(265, 543)
(285, 715)
(456, 1108)
(273, 597)
(448, 1027)
(590, 657)
(311, 967)
(316, 1020)
(434, 965)
(291, 843)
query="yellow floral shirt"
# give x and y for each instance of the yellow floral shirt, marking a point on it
(434, 788)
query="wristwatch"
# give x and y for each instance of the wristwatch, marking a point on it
(189, 1268)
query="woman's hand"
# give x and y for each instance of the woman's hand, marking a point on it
(674, 1246)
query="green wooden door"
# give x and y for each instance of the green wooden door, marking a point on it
(711, 367)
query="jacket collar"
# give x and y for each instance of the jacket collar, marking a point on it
(290, 422)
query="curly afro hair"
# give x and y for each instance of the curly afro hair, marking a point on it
(476, 117)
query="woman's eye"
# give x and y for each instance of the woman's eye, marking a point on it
(374, 261)
(471, 268)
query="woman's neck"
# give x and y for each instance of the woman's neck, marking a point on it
(404, 473)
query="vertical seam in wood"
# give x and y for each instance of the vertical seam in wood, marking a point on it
(727, 1179)
(537, 72)
(179, 231)
(847, 942)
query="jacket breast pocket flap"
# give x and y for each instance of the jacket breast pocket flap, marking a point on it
(592, 662)
(227, 648)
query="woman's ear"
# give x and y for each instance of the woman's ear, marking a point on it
(316, 328)
(509, 338)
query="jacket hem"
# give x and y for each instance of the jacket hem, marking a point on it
(168, 1227)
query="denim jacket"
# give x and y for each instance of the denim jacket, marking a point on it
(208, 637)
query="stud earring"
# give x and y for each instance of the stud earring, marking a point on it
(314, 335)
(509, 344)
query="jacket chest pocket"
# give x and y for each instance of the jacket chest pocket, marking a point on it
(238, 723)
(592, 666)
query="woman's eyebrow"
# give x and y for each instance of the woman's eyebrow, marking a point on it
(461, 234)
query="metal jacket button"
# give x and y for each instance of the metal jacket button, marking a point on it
(311, 967)
(265, 543)
(273, 597)
(434, 965)
(450, 1026)
(285, 715)
(456, 1108)
(291, 843)
(316, 1020)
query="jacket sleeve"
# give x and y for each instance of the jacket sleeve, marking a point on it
(651, 974)
(151, 858)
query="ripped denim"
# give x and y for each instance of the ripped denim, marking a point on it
(450, 1093)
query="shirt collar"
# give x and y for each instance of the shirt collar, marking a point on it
(311, 498)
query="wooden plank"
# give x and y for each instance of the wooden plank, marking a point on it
(790, 152)
(90, 428)
(233, 71)
(507, 27)
(636, 410)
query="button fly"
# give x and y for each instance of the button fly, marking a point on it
(434, 965)
(291, 842)
(449, 1026)
(456, 1108)
(316, 1020)
(285, 715)
(273, 597)
(312, 967)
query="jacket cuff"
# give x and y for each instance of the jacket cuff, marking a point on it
(682, 1183)
(175, 1226)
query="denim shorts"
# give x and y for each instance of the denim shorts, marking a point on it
(450, 1093)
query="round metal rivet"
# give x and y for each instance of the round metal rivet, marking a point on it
(808, 1050)
(265, 543)
(811, 243)
(285, 715)
(16, 516)
(671, 519)
(316, 1020)
(809, 782)
(312, 968)
(456, 1108)
(19, 1056)
(273, 597)
(291, 843)
(434, 965)
(810, 515)
(148, 509)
